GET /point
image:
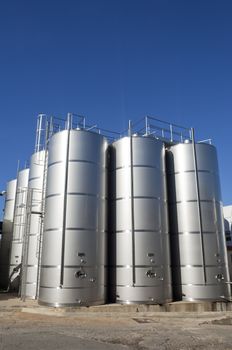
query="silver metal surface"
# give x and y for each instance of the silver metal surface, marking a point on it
(74, 238)
(138, 224)
(19, 225)
(31, 245)
(7, 232)
(199, 260)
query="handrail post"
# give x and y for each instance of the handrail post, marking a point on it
(146, 125)
(171, 132)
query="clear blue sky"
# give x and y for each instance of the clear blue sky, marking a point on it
(115, 60)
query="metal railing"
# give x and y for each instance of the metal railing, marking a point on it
(41, 132)
(160, 129)
(151, 126)
(78, 122)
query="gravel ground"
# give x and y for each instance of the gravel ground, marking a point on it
(22, 330)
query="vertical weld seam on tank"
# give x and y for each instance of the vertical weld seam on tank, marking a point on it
(199, 204)
(132, 211)
(64, 213)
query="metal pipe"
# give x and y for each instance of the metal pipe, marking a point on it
(69, 121)
(51, 127)
(18, 166)
(209, 141)
(36, 136)
(39, 132)
(190, 134)
(91, 127)
(198, 203)
(132, 205)
(171, 132)
(146, 123)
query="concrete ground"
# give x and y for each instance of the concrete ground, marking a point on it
(27, 326)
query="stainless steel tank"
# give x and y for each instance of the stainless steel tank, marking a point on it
(19, 225)
(74, 238)
(139, 256)
(199, 260)
(7, 232)
(31, 245)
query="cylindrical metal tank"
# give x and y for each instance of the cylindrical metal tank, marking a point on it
(74, 238)
(7, 231)
(138, 224)
(19, 225)
(199, 260)
(31, 245)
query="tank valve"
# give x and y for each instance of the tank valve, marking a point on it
(219, 277)
(151, 274)
(80, 274)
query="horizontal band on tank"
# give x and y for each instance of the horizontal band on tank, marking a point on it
(140, 286)
(60, 288)
(77, 304)
(86, 194)
(75, 229)
(30, 283)
(196, 233)
(130, 231)
(139, 197)
(34, 178)
(74, 161)
(152, 301)
(33, 234)
(137, 266)
(198, 265)
(77, 194)
(84, 161)
(192, 171)
(195, 201)
(17, 241)
(9, 199)
(30, 265)
(197, 284)
(218, 298)
(139, 166)
(73, 266)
